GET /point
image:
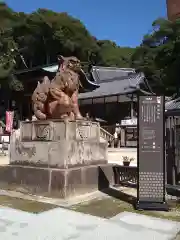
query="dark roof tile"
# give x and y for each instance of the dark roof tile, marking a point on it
(173, 104)
(104, 74)
(126, 85)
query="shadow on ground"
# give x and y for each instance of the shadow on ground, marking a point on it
(104, 186)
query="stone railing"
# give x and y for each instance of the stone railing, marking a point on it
(106, 135)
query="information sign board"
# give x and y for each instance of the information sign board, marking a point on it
(151, 155)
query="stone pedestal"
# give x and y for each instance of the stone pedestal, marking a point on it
(57, 158)
(59, 183)
(58, 144)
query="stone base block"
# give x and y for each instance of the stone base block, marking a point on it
(58, 144)
(61, 183)
(63, 154)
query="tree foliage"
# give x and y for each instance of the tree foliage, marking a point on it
(40, 36)
(113, 55)
(159, 56)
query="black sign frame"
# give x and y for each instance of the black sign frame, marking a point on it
(143, 203)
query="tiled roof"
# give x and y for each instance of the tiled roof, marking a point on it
(173, 105)
(104, 74)
(126, 85)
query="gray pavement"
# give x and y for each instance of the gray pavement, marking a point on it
(115, 155)
(65, 224)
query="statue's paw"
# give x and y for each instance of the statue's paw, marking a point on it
(65, 117)
(79, 117)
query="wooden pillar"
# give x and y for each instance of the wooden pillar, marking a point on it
(132, 109)
(123, 137)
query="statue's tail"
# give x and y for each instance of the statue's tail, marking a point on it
(39, 114)
(39, 99)
(45, 85)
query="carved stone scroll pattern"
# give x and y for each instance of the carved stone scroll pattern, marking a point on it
(83, 132)
(43, 132)
(24, 150)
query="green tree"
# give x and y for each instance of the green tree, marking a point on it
(113, 55)
(7, 49)
(41, 35)
(159, 56)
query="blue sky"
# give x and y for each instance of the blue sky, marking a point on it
(123, 21)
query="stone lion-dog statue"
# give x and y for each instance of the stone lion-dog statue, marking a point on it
(58, 99)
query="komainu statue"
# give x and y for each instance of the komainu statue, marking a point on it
(58, 99)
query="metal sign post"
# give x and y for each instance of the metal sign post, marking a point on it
(151, 154)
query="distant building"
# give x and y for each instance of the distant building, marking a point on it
(115, 95)
(173, 9)
(108, 95)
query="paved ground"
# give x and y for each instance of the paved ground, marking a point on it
(65, 224)
(4, 160)
(115, 155)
